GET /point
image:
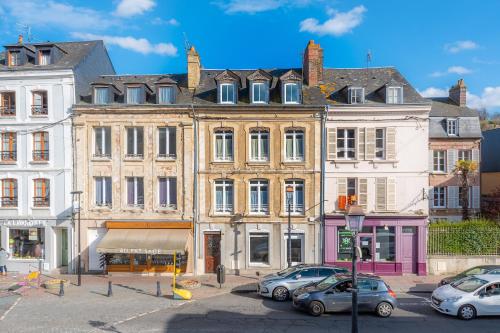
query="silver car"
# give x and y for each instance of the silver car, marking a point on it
(281, 285)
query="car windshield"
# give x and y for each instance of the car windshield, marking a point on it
(287, 271)
(475, 271)
(469, 284)
(326, 282)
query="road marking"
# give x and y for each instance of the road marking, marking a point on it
(10, 308)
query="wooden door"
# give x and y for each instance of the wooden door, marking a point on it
(212, 252)
(409, 240)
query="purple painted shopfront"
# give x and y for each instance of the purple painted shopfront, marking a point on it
(389, 246)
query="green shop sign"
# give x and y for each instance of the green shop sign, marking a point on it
(345, 242)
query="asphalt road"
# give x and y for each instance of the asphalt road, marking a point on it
(247, 312)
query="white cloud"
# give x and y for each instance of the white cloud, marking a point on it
(128, 8)
(489, 98)
(339, 23)
(160, 21)
(434, 92)
(140, 45)
(55, 14)
(460, 70)
(257, 6)
(460, 45)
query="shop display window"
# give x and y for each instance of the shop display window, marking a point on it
(27, 243)
(386, 244)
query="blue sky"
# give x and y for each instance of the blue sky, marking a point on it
(433, 43)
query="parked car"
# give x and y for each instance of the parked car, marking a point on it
(476, 295)
(281, 285)
(333, 294)
(486, 269)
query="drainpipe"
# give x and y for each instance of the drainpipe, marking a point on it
(195, 192)
(322, 186)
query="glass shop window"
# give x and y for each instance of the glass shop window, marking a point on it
(27, 243)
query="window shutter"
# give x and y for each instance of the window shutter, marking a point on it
(266, 91)
(391, 143)
(332, 143)
(452, 192)
(431, 160)
(476, 197)
(361, 144)
(431, 197)
(451, 159)
(380, 194)
(370, 144)
(391, 194)
(475, 156)
(363, 192)
(341, 189)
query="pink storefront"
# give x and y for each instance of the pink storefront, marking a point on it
(389, 245)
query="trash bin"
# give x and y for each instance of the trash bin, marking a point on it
(221, 274)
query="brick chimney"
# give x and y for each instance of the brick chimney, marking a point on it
(458, 93)
(194, 68)
(20, 39)
(313, 64)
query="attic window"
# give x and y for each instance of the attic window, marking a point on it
(44, 57)
(292, 94)
(134, 95)
(14, 58)
(260, 92)
(166, 95)
(101, 95)
(227, 93)
(394, 95)
(356, 95)
(452, 127)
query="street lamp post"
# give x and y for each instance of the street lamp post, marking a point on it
(289, 191)
(354, 222)
(76, 208)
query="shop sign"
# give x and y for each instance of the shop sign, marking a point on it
(345, 242)
(23, 223)
(141, 251)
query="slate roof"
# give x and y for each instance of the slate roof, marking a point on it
(443, 108)
(73, 54)
(489, 151)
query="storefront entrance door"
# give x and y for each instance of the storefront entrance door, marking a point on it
(366, 260)
(409, 250)
(212, 252)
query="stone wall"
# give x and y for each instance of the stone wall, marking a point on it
(447, 265)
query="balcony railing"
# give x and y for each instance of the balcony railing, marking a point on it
(138, 155)
(296, 209)
(259, 209)
(102, 155)
(167, 155)
(41, 155)
(224, 208)
(9, 201)
(41, 201)
(104, 204)
(39, 110)
(8, 155)
(7, 111)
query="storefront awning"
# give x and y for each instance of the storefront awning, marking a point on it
(145, 241)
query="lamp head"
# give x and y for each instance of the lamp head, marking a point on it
(354, 218)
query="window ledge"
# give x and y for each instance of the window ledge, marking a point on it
(258, 162)
(221, 215)
(133, 159)
(8, 162)
(301, 215)
(8, 207)
(100, 159)
(258, 215)
(40, 208)
(39, 162)
(344, 161)
(101, 208)
(438, 173)
(254, 264)
(222, 162)
(134, 209)
(384, 161)
(8, 117)
(39, 116)
(167, 210)
(166, 159)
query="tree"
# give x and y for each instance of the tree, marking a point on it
(464, 170)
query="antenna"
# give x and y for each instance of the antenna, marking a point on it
(25, 30)
(368, 61)
(187, 44)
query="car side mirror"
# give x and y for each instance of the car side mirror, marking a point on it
(298, 276)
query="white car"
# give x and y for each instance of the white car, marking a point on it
(476, 295)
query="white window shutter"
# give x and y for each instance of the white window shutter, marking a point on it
(361, 144)
(341, 189)
(363, 192)
(370, 144)
(452, 192)
(451, 159)
(391, 194)
(476, 197)
(380, 194)
(391, 143)
(431, 160)
(331, 143)
(475, 156)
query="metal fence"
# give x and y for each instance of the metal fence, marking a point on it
(463, 240)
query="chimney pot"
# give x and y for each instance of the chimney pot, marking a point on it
(458, 93)
(194, 68)
(20, 39)
(312, 66)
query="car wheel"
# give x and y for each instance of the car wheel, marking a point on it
(316, 308)
(384, 309)
(280, 294)
(467, 312)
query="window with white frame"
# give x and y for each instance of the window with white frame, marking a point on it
(292, 93)
(8, 150)
(465, 155)
(394, 95)
(101, 95)
(168, 192)
(134, 95)
(9, 192)
(167, 142)
(259, 248)
(41, 195)
(439, 199)
(351, 187)
(224, 196)
(135, 142)
(380, 143)
(452, 126)
(166, 95)
(223, 145)
(461, 196)
(356, 95)
(135, 191)
(346, 143)
(260, 92)
(227, 93)
(103, 191)
(259, 198)
(44, 57)
(294, 145)
(14, 58)
(39, 105)
(295, 198)
(102, 137)
(439, 160)
(259, 145)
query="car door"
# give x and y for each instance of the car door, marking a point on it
(324, 272)
(366, 294)
(489, 300)
(302, 277)
(341, 299)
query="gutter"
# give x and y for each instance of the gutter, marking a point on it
(322, 186)
(195, 193)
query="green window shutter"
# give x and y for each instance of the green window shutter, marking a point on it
(370, 144)
(391, 143)
(361, 144)
(380, 194)
(331, 143)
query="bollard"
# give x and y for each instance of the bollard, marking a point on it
(158, 289)
(61, 288)
(110, 290)
(221, 274)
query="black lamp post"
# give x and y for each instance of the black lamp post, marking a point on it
(289, 194)
(76, 209)
(354, 221)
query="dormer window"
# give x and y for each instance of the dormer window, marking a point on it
(292, 93)
(356, 95)
(260, 92)
(44, 57)
(166, 95)
(227, 93)
(101, 95)
(134, 95)
(452, 127)
(14, 58)
(394, 95)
